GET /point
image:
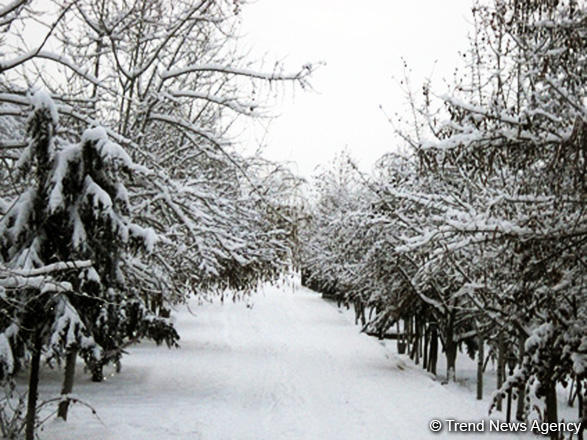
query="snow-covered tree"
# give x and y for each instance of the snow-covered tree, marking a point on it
(74, 209)
(517, 141)
(167, 82)
(508, 168)
(479, 234)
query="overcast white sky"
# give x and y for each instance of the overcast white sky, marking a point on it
(362, 43)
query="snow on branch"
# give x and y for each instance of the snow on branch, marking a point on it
(37, 52)
(488, 113)
(211, 137)
(233, 103)
(45, 270)
(68, 329)
(13, 98)
(11, 7)
(219, 68)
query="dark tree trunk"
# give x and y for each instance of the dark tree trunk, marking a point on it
(67, 387)
(304, 280)
(97, 371)
(433, 358)
(425, 352)
(359, 312)
(480, 359)
(508, 417)
(450, 348)
(522, 390)
(500, 369)
(33, 393)
(451, 360)
(408, 327)
(582, 409)
(572, 393)
(419, 332)
(551, 407)
(416, 344)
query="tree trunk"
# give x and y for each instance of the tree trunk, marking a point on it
(97, 371)
(408, 328)
(420, 338)
(500, 369)
(582, 410)
(551, 407)
(451, 360)
(522, 390)
(359, 312)
(425, 352)
(480, 359)
(416, 345)
(508, 417)
(433, 358)
(33, 388)
(67, 383)
(450, 348)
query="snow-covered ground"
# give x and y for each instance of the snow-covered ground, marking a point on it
(286, 365)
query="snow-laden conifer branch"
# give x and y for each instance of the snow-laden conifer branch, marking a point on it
(45, 270)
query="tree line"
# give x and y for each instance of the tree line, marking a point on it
(475, 238)
(122, 190)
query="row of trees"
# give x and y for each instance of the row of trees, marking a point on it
(121, 191)
(478, 236)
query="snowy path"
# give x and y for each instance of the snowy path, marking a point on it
(290, 367)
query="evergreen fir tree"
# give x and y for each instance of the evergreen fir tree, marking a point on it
(74, 209)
